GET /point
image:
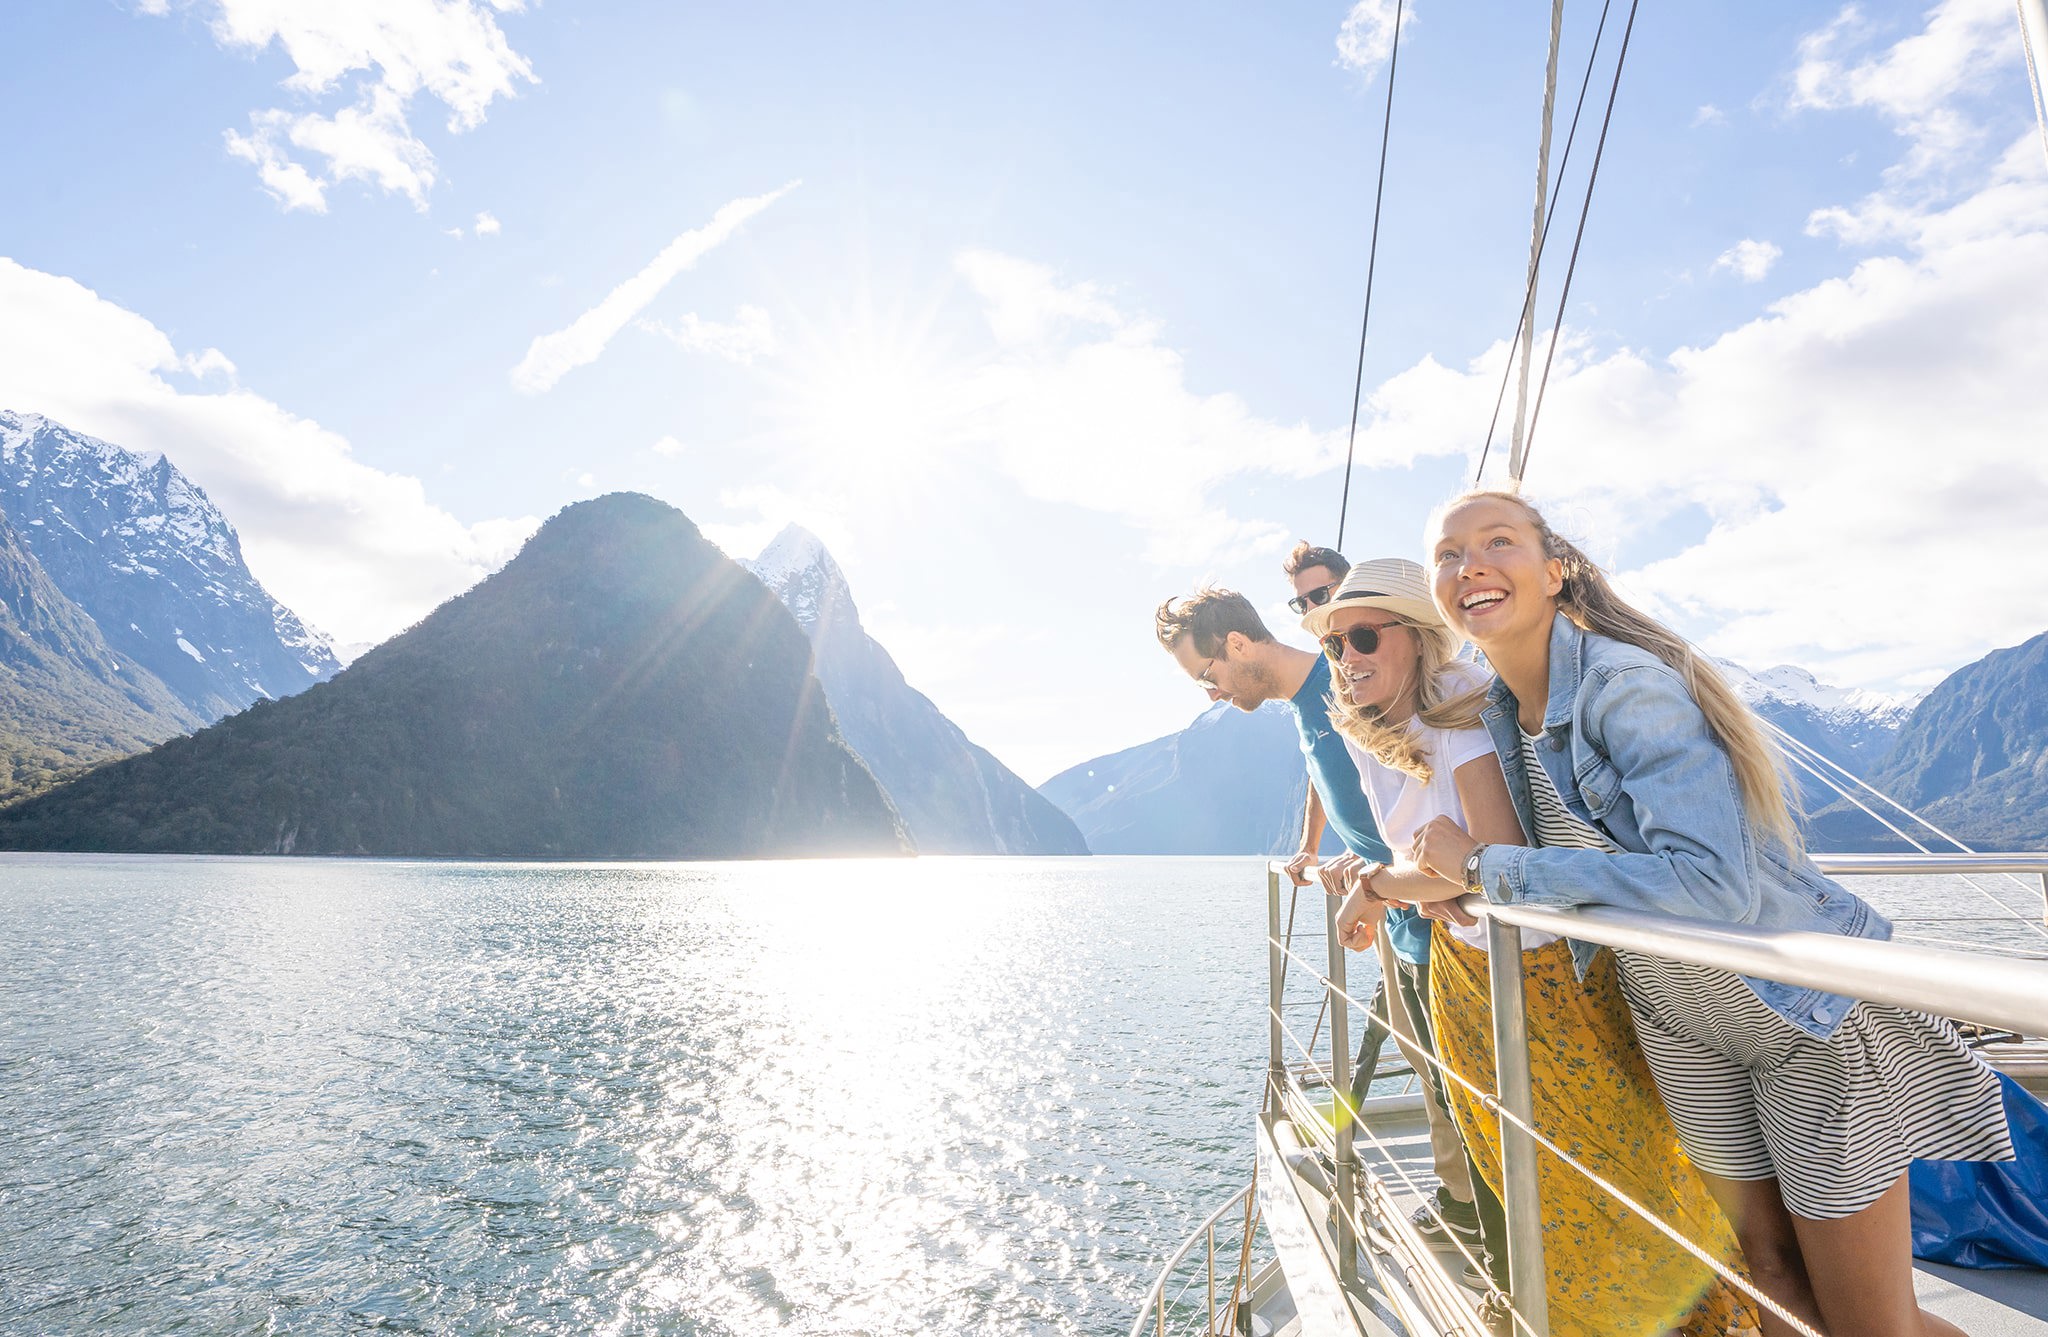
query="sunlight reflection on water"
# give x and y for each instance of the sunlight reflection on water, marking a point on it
(879, 1097)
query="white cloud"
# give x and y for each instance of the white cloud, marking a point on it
(750, 335)
(388, 52)
(1918, 83)
(553, 356)
(1749, 259)
(487, 224)
(358, 552)
(668, 447)
(1709, 114)
(1366, 38)
(1854, 450)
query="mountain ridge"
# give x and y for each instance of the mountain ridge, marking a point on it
(148, 556)
(955, 796)
(620, 689)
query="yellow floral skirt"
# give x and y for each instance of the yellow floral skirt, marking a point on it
(1611, 1273)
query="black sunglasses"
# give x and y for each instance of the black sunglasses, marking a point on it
(1315, 598)
(1365, 640)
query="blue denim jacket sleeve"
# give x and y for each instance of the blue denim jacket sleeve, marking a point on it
(1648, 747)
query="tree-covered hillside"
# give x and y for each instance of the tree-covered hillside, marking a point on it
(619, 690)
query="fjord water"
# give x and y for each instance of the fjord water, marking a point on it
(902, 1096)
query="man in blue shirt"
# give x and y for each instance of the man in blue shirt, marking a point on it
(1220, 641)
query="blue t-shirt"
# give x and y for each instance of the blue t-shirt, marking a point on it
(1335, 776)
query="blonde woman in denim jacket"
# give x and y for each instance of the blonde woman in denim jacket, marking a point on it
(1648, 785)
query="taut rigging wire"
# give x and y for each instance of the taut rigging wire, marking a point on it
(1564, 162)
(1371, 260)
(1585, 210)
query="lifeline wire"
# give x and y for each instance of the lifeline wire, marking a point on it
(1543, 239)
(1371, 261)
(1585, 211)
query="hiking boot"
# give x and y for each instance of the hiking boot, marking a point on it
(1447, 1223)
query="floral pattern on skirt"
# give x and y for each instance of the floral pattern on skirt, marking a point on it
(1611, 1273)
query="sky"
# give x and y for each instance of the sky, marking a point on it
(1040, 315)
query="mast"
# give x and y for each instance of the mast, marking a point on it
(2034, 40)
(1536, 242)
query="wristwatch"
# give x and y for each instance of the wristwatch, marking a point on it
(1472, 882)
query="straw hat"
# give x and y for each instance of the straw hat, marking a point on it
(1392, 583)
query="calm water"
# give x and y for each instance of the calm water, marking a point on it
(930, 1096)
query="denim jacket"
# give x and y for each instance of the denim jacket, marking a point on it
(1632, 756)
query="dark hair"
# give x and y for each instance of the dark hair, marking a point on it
(1306, 555)
(1209, 616)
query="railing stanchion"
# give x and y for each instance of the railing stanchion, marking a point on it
(2044, 895)
(1209, 1324)
(1523, 1199)
(1276, 1069)
(1341, 1113)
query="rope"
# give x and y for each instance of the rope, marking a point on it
(1537, 229)
(1371, 262)
(1585, 211)
(2033, 74)
(1529, 293)
(1493, 1106)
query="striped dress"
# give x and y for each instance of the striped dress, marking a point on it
(1836, 1121)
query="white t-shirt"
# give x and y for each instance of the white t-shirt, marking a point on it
(1402, 804)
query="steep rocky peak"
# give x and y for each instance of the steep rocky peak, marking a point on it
(800, 570)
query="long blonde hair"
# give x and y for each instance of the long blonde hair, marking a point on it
(1437, 705)
(1592, 604)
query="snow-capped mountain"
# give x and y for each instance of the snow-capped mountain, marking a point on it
(156, 565)
(954, 797)
(1850, 726)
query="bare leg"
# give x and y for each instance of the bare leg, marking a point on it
(1771, 1247)
(1861, 1267)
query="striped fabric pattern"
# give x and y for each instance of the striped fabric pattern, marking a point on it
(1556, 828)
(1835, 1121)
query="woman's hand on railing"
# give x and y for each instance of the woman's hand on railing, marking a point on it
(1439, 850)
(1451, 912)
(1358, 919)
(1336, 875)
(1297, 868)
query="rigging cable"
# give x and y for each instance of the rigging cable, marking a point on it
(2030, 34)
(1585, 211)
(1371, 260)
(1537, 227)
(1529, 290)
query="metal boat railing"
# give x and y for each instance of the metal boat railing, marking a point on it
(1975, 987)
(1159, 1311)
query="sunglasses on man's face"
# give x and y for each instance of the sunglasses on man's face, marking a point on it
(1315, 598)
(1365, 640)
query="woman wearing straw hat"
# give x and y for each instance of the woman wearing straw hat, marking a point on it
(1409, 710)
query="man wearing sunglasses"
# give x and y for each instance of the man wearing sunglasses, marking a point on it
(1220, 641)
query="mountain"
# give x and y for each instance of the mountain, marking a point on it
(1230, 783)
(1851, 727)
(1972, 758)
(619, 690)
(67, 698)
(954, 797)
(148, 557)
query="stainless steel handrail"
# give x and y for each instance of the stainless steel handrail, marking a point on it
(1155, 1298)
(1994, 990)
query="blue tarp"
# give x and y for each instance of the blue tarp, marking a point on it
(1988, 1214)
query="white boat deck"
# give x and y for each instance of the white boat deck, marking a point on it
(1393, 1144)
